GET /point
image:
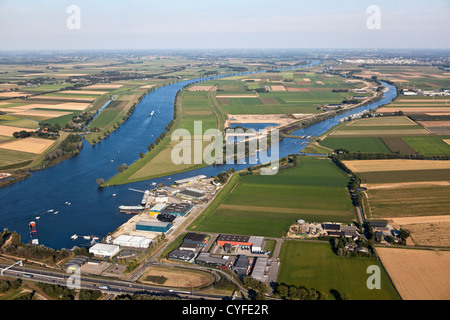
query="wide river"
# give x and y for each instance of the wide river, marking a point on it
(70, 188)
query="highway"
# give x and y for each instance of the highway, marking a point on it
(94, 283)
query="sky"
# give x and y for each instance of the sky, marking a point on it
(223, 24)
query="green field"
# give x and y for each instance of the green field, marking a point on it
(9, 157)
(432, 145)
(267, 205)
(315, 265)
(357, 144)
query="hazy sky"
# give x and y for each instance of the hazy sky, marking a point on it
(167, 24)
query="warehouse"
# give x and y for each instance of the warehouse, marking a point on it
(189, 247)
(260, 271)
(155, 226)
(241, 265)
(192, 194)
(104, 250)
(132, 241)
(181, 255)
(257, 244)
(161, 197)
(206, 259)
(178, 209)
(157, 208)
(196, 238)
(191, 179)
(75, 263)
(234, 240)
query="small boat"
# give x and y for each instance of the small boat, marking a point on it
(114, 194)
(56, 212)
(51, 210)
(95, 238)
(87, 237)
(153, 112)
(74, 237)
(37, 218)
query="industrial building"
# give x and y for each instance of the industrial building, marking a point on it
(132, 241)
(75, 263)
(155, 226)
(260, 269)
(177, 209)
(241, 265)
(182, 255)
(234, 240)
(189, 247)
(196, 238)
(207, 259)
(192, 194)
(191, 179)
(161, 196)
(157, 208)
(257, 244)
(104, 250)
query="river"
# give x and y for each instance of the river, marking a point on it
(70, 188)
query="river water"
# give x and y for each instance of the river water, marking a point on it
(64, 199)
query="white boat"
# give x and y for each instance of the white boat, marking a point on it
(87, 237)
(153, 112)
(37, 218)
(114, 194)
(74, 237)
(56, 212)
(95, 238)
(51, 210)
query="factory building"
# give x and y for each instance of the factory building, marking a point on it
(182, 255)
(192, 194)
(132, 241)
(177, 209)
(196, 238)
(234, 240)
(191, 179)
(157, 208)
(260, 269)
(104, 250)
(155, 226)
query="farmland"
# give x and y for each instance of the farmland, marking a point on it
(418, 274)
(267, 205)
(315, 265)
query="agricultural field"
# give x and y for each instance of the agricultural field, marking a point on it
(418, 274)
(315, 265)
(392, 134)
(403, 188)
(267, 205)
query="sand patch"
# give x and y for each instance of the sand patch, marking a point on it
(62, 98)
(297, 89)
(447, 141)
(402, 185)
(32, 145)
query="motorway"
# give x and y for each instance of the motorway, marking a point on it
(95, 283)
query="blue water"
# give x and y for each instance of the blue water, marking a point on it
(94, 211)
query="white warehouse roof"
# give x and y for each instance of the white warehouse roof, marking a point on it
(103, 249)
